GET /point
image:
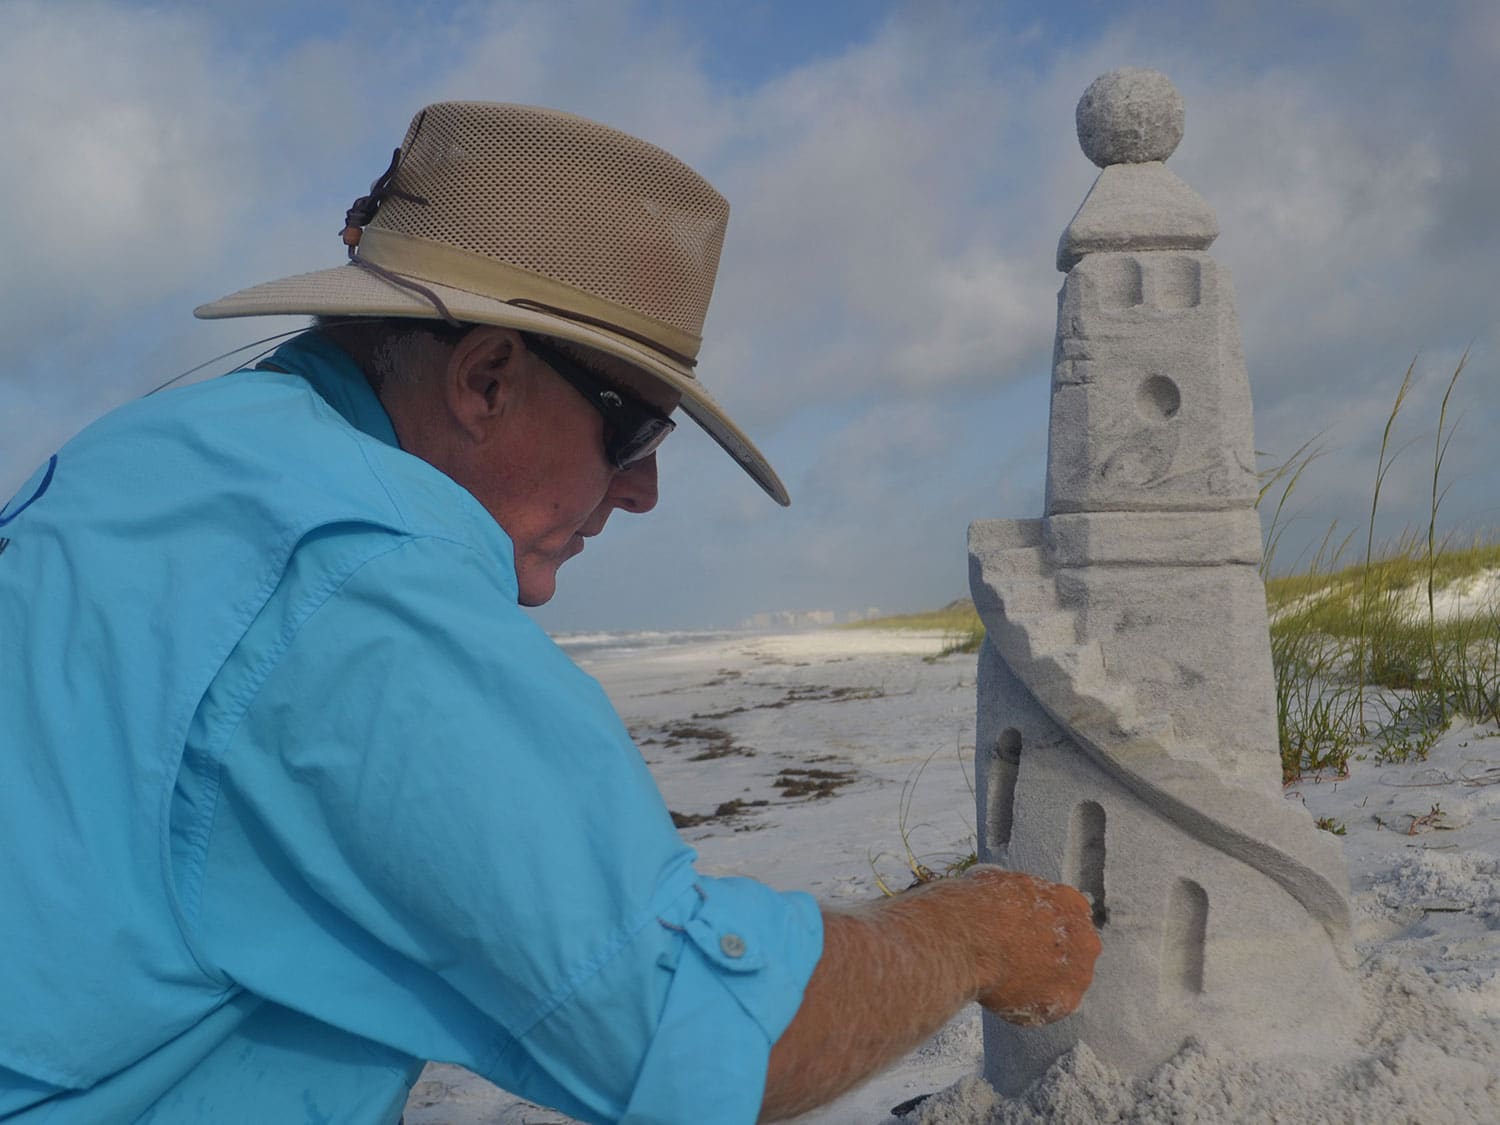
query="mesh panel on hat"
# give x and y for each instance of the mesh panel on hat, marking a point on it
(574, 201)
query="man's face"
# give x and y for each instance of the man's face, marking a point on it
(549, 485)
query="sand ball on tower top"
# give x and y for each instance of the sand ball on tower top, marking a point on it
(1129, 116)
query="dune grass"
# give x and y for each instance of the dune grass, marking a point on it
(1364, 662)
(923, 867)
(958, 621)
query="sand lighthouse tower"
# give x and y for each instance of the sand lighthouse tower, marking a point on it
(1127, 738)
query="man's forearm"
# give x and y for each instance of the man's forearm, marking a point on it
(888, 978)
(893, 973)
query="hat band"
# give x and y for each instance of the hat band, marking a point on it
(441, 264)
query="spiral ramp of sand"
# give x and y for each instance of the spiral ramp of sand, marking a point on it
(1038, 638)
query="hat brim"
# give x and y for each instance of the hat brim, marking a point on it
(348, 290)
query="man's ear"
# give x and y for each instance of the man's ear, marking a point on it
(482, 378)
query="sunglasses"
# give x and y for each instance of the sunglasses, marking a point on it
(632, 430)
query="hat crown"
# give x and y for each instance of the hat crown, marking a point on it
(579, 203)
(537, 220)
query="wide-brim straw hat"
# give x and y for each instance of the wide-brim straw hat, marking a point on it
(541, 221)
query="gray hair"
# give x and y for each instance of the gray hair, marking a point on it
(394, 350)
(408, 355)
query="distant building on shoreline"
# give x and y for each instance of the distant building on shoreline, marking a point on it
(805, 618)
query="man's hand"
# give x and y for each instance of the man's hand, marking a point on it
(893, 972)
(1044, 946)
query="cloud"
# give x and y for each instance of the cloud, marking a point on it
(616, 63)
(125, 152)
(156, 163)
(861, 260)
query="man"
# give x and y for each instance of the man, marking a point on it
(293, 797)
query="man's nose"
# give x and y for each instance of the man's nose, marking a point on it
(634, 489)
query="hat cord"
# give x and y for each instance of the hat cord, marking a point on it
(364, 210)
(365, 207)
(406, 283)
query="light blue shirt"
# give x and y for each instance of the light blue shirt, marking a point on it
(293, 797)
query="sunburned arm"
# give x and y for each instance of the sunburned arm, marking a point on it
(893, 973)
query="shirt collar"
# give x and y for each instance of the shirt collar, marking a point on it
(339, 380)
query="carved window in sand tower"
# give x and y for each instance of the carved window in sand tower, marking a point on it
(1000, 791)
(1083, 859)
(1184, 938)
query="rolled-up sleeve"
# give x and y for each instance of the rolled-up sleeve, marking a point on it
(737, 956)
(461, 854)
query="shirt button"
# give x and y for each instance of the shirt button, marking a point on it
(733, 945)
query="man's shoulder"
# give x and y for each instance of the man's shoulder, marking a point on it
(272, 449)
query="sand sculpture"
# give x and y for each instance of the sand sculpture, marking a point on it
(1127, 738)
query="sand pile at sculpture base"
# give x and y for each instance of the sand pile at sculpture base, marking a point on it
(1421, 1058)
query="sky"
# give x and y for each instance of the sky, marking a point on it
(899, 174)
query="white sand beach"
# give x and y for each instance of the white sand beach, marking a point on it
(787, 757)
